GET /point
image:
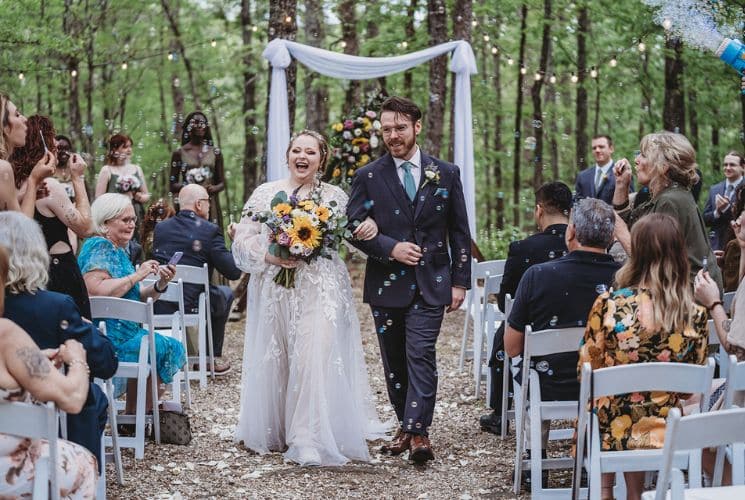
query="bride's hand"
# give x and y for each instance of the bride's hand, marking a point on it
(279, 261)
(367, 230)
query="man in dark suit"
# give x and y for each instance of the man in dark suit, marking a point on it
(553, 201)
(718, 209)
(52, 318)
(417, 201)
(598, 181)
(202, 242)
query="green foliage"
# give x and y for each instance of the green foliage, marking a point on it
(494, 243)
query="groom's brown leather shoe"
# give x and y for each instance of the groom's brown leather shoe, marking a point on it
(398, 445)
(421, 449)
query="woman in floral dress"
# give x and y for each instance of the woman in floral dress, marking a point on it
(651, 317)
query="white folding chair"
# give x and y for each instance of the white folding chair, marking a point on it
(735, 453)
(692, 433)
(202, 319)
(141, 313)
(473, 305)
(491, 318)
(36, 421)
(542, 343)
(507, 414)
(110, 441)
(681, 378)
(172, 325)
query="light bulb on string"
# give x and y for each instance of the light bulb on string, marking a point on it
(523, 70)
(613, 62)
(537, 76)
(21, 76)
(510, 61)
(552, 79)
(486, 38)
(474, 23)
(170, 56)
(288, 19)
(125, 65)
(254, 28)
(213, 43)
(73, 73)
(667, 23)
(343, 44)
(574, 78)
(641, 47)
(593, 72)
(494, 50)
(404, 44)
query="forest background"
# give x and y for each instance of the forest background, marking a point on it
(552, 73)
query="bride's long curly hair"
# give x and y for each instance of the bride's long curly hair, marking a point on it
(659, 264)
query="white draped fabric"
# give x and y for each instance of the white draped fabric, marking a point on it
(280, 52)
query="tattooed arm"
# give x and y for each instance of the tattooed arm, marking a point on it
(32, 369)
(76, 217)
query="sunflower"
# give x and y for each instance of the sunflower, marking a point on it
(337, 172)
(306, 205)
(323, 213)
(303, 232)
(282, 209)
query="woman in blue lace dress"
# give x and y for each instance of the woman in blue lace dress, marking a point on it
(107, 271)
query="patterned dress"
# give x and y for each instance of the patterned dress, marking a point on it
(615, 336)
(76, 474)
(100, 254)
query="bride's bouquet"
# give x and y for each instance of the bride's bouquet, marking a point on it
(302, 229)
(126, 183)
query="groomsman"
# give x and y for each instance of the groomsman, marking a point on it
(598, 181)
(718, 209)
(418, 265)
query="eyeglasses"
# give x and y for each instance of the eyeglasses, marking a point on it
(127, 220)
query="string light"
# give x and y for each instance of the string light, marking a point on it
(288, 19)
(124, 65)
(170, 56)
(213, 43)
(474, 23)
(254, 28)
(575, 79)
(343, 44)
(404, 44)
(21, 76)
(523, 70)
(552, 79)
(486, 38)
(667, 23)
(641, 47)
(73, 73)
(613, 62)
(537, 76)
(494, 50)
(510, 61)
(593, 72)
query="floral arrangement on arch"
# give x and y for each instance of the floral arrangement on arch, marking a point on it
(355, 142)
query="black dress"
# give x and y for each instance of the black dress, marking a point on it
(64, 273)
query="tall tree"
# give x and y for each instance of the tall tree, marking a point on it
(172, 16)
(409, 74)
(673, 112)
(535, 93)
(498, 143)
(250, 148)
(348, 18)
(71, 27)
(518, 118)
(462, 23)
(437, 26)
(283, 24)
(316, 94)
(583, 30)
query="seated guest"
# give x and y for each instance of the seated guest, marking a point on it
(157, 212)
(650, 317)
(553, 201)
(108, 272)
(202, 242)
(560, 293)
(25, 373)
(56, 213)
(51, 318)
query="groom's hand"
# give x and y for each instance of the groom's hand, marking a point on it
(459, 294)
(407, 253)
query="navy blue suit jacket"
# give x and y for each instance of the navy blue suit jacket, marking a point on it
(51, 318)
(436, 222)
(584, 186)
(202, 243)
(719, 224)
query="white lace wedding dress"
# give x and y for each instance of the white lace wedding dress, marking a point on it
(305, 385)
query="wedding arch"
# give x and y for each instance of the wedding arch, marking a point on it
(279, 53)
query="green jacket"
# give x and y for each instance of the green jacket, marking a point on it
(679, 203)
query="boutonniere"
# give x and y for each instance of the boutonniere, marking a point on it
(431, 174)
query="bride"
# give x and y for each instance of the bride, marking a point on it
(304, 386)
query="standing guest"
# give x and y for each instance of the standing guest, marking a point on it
(14, 136)
(51, 318)
(108, 272)
(651, 317)
(718, 210)
(732, 251)
(121, 176)
(201, 242)
(599, 181)
(157, 212)
(418, 204)
(198, 161)
(666, 164)
(25, 373)
(55, 213)
(553, 201)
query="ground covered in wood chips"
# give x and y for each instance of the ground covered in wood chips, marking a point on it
(469, 463)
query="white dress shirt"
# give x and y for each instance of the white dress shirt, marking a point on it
(416, 169)
(604, 169)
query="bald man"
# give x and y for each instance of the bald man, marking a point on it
(202, 242)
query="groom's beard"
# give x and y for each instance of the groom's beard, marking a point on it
(401, 147)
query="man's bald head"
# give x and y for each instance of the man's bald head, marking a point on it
(190, 194)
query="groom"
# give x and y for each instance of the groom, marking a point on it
(417, 201)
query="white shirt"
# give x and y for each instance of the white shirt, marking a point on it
(416, 169)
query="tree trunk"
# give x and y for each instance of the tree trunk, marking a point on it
(518, 120)
(715, 156)
(646, 100)
(410, 32)
(462, 17)
(673, 113)
(250, 148)
(437, 27)
(71, 27)
(316, 95)
(348, 18)
(583, 30)
(596, 118)
(693, 118)
(498, 144)
(535, 93)
(283, 24)
(172, 17)
(178, 98)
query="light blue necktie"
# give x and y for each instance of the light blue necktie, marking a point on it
(409, 185)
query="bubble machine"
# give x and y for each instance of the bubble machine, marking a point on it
(733, 53)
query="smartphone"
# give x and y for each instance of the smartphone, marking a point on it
(175, 258)
(46, 149)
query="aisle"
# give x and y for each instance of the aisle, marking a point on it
(469, 463)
